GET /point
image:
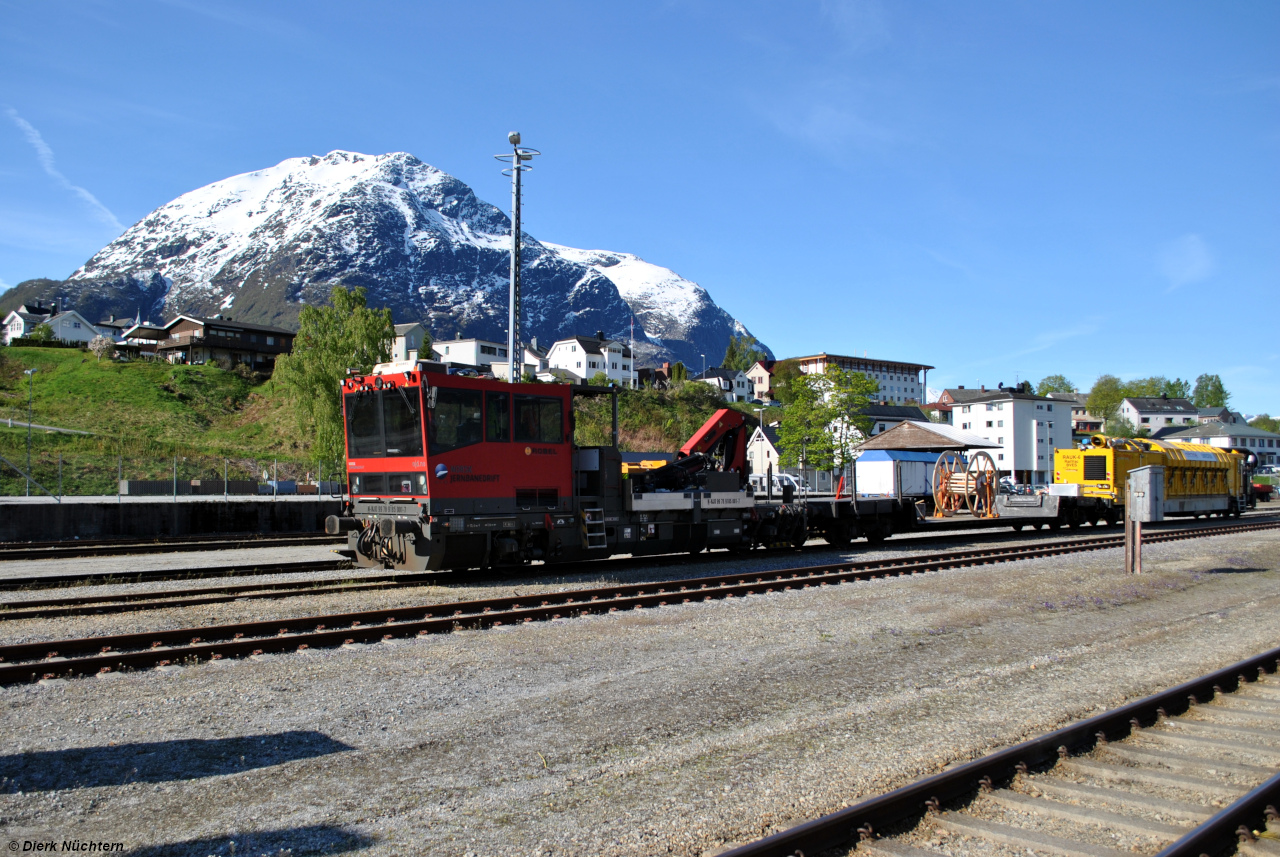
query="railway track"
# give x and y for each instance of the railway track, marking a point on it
(28, 662)
(119, 547)
(81, 605)
(1188, 772)
(55, 581)
(33, 582)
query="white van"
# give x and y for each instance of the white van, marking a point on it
(758, 485)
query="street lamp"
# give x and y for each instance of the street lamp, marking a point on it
(31, 374)
(704, 363)
(516, 157)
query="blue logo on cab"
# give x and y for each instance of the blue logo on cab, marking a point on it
(441, 471)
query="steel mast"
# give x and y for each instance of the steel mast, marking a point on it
(517, 156)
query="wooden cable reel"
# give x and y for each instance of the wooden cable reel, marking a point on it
(959, 485)
(948, 475)
(982, 479)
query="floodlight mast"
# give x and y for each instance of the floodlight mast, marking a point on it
(516, 157)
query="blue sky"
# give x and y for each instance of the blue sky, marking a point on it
(999, 189)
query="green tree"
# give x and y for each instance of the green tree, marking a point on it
(785, 374)
(1054, 384)
(1210, 392)
(679, 373)
(1105, 397)
(347, 334)
(742, 353)
(847, 394)
(1177, 389)
(1149, 388)
(1266, 422)
(600, 379)
(803, 430)
(1118, 427)
(41, 333)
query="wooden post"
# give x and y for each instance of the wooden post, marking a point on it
(1128, 543)
(1137, 547)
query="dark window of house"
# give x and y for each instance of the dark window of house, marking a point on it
(539, 420)
(400, 423)
(497, 416)
(455, 421)
(364, 429)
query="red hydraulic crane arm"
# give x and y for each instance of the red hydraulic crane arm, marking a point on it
(724, 432)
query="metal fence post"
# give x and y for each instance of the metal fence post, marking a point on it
(226, 490)
(175, 479)
(119, 480)
(275, 473)
(59, 474)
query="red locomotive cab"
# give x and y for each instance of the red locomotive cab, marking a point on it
(385, 449)
(469, 445)
(497, 448)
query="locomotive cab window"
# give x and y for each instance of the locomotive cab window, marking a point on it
(497, 417)
(400, 426)
(539, 420)
(364, 429)
(381, 423)
(455, 421)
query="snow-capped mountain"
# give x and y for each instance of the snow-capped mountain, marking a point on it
(257, 247)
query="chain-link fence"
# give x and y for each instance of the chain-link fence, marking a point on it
(59, 474)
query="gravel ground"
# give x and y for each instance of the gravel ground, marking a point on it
(674, 730)
(177, 559)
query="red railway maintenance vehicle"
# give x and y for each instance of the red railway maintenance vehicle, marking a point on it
(454, 472)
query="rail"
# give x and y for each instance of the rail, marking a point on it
(26, 662)
(860, 823)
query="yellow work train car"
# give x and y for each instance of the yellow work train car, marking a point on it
(1199, 479)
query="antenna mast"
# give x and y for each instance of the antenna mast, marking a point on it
(517, 156)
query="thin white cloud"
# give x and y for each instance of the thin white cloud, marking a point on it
(861, 25)
(1185, 260)
(251, 18)
(825, 115)
(951, 263)
(3, 285)
(1041, 342)
(45, 155)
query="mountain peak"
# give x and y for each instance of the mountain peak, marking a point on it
(268, 242)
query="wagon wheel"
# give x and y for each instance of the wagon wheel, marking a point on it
(945, 472)
(982, 477)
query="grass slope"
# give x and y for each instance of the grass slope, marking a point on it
(142, 415)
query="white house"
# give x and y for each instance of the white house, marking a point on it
(763, 450)
(21, 321)
(408, 341)
(70, 326)
(534, 363)
(583, 357)
(1157, 412)
(733, 384)
(1027, 430)
(761, 377)
(475, 353)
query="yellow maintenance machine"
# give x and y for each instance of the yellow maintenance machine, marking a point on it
(1199, 479)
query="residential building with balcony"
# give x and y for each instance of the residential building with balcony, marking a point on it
(195, 339)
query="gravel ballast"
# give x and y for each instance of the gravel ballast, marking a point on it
(672, 730)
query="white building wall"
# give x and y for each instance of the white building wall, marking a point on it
(472, 352)
(1027, 431)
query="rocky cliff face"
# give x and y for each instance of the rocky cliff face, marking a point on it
(259, 246)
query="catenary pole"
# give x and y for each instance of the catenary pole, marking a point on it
(517, 156)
